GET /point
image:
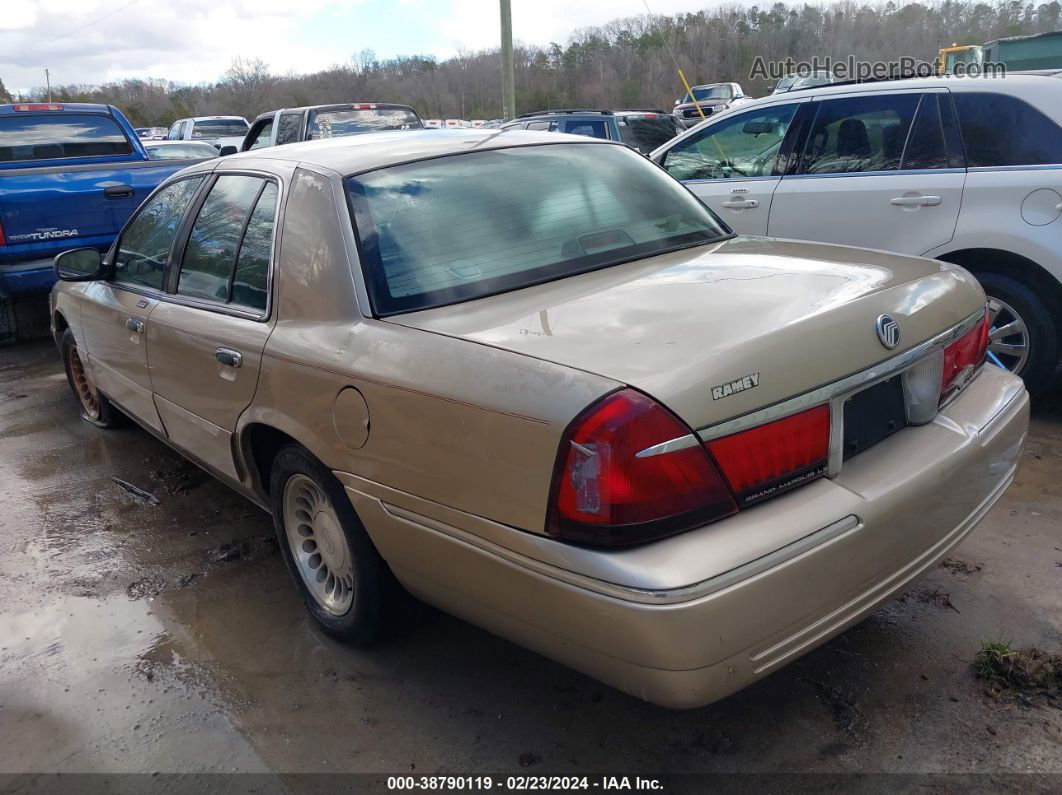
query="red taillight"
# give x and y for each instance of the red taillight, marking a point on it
(37, 106)
(963, 357)
(604, 493)
(764, 461)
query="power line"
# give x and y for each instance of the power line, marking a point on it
(72, 32)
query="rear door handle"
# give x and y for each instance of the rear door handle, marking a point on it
(741, 204)
(229, 358)
(915, 201)
(118, 192)
(135, 324)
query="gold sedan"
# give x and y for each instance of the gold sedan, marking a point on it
(533, 380)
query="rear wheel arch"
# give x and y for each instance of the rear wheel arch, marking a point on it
(260, 444)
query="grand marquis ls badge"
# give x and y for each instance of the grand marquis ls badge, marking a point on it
(888, 331)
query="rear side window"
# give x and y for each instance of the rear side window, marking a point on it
(925, 145)
(859, 134)
(60, 135)
(250, 280)
(999, 130)
(209, 256)
(646, 133)
(593, 128)
(145, 244)
(288, 128)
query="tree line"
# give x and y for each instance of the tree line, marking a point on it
(628, 62)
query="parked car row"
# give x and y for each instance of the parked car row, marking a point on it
(529, 377)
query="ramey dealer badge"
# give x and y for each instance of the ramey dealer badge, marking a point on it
(733, 387)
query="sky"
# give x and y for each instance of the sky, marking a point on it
(194, 41)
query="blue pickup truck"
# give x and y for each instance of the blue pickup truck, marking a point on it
(70, 176)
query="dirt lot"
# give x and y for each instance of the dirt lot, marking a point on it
(142, 637)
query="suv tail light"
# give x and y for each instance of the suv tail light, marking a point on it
(963, 357)
(604, 493)
(772, 458)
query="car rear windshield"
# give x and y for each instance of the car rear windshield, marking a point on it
(219, 128)
(646, 133)
(48, 137)
(337, 123)
(465, 226)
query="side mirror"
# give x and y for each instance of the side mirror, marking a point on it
(79, 265)
(227, 150)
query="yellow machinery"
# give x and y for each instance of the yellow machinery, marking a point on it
(955, 54)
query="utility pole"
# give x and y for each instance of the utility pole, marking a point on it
(508, 78)
(48, 80)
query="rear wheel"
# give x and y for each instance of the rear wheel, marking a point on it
(1022, 337)
(343, 581)
(95, 407)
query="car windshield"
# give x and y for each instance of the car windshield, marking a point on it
(337, 123)
(466, 226)
(646, 132)
(219, 128)
(710, 92)
(790, 82)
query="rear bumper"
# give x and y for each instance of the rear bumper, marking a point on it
(850, 545)
(35, 276)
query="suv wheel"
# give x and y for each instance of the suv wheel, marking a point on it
(1023, 337)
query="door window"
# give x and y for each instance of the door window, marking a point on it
(288, 128)
(262, 135)
(250, 279)
(206, 268)
(745, 145)
(858, 134)
(925, 146)
(174, 133)
(594, 128)
(999, 130)
(144, 247)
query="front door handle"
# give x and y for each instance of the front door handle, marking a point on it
(915, 201)
(741, 204)
(229, 358)
(118, 192)
(135, 324)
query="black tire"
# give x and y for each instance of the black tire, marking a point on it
(94, 405)
(373, 584)
(1040, 368)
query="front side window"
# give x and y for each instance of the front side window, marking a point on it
(339, 123)
(592, 128)
(59, 135)
(1000, 130)
(219, 128)
(206, 268)
(859, 134)
(453, 229)
(145, 244)
(263, 136)
(746, 145)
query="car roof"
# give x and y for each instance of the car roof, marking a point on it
(84, 107)
(962, 82)
(356, 153)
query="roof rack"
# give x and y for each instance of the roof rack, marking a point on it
(642, 110)
(860, 80)
(565, 110)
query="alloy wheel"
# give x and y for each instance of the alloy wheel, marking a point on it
(318, 545)
(1008, 337)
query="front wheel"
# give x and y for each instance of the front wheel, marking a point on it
(95, 407)
(343, 581)
(1022, 337)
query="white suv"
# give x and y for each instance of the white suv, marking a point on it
(966, 170)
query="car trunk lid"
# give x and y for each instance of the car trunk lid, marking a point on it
(717, 331)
